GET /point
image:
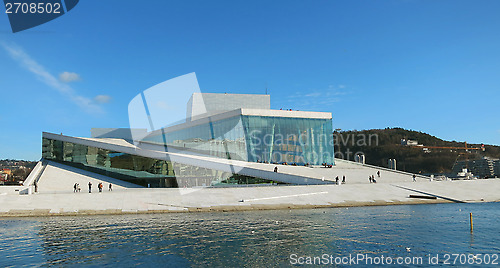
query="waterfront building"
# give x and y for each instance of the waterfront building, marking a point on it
(485, 167)
(496, 165)
(231, 139)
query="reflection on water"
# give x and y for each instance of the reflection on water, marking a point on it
(260, 238)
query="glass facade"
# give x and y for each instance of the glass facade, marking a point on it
(139, 170)
(289, 140)
(256, 139)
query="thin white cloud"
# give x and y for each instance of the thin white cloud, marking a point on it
(102, 98)
(314, 98)
(68, 77)
(328, 95)
(314, 94)
(43, 75)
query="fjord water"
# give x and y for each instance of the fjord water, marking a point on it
(249, 239)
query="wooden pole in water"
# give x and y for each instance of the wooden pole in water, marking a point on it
(471, 225)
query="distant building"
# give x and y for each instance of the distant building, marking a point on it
(4, 174)
(408, 142)
(485, 167)
(496, 165)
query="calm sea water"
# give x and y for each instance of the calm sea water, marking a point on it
(252, 239)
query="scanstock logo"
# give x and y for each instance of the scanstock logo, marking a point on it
(26, 14)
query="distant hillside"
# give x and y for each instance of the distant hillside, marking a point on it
(379, 145)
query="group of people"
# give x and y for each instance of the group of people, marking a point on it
(76, 188)
(100, 186)
(372, 177)
(326, 165)
(337, 180)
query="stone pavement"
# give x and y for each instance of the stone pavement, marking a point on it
(124, 200)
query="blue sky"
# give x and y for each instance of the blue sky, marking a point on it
(432, 66)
